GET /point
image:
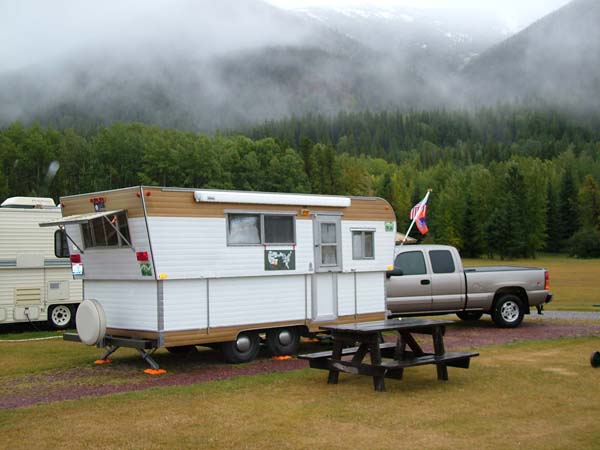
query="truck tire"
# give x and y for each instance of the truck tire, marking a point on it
(283, 341)
(60, 316)
(508, 311)
(244, 349)
(469, 315)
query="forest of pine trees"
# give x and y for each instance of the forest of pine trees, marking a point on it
(505, 183)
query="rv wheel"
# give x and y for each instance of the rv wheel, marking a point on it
(283, 341)
(60, 316)
(243, 349)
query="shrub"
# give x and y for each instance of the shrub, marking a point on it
(585, 243)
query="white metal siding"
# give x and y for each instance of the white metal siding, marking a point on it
(128, 304)
(256, 300)
(345, 291)
(114, 263)
(383, 246)
(370, 291)
(197, 247)
(184, 304)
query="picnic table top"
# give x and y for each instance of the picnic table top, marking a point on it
(385, 325)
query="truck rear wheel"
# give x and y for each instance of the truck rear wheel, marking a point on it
(469, 315)
(508, 311)
(244, 349)
(283, 341)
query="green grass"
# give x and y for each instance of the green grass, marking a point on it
(575, 283)
(533, 395)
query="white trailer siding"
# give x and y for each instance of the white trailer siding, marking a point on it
(370, 292)
(255, 300)
(383, 246)
(187, 247)
(131, 305)
(185, 304)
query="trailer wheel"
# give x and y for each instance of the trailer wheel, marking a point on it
(469, 315)
(283, 341)
(60, 316)
(508, 311)
(243, 349)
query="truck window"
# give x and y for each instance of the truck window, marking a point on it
(441, 261)
(411, 263)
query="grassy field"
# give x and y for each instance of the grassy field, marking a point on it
(535, 395)
(575, 283)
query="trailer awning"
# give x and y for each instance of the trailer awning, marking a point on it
(79, 218)
(266, 198)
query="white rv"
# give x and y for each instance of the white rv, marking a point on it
(174, 268)
(35, 285)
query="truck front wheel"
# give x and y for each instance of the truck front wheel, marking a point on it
(508, 311)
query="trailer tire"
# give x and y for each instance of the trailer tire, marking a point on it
(283, 341)
(60, 316)
(469, 315)
(508, 311)
(244, 349)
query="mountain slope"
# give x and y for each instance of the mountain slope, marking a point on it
(553, 62)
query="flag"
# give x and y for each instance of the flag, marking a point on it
(418, 213)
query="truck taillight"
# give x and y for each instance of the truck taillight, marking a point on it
(76, 258)
(546, 280)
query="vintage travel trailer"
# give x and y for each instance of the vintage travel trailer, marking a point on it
(174, 268)
(35, 285)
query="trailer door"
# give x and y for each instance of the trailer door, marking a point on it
(328, 262)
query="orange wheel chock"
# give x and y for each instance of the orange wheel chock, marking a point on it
(155, 371)
(103, 361)
(282, 358)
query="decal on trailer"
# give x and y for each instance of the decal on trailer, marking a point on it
(280, 260)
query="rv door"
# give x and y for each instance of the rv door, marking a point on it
(328, 261)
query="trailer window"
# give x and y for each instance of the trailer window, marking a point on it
(279, 229)
(441, 261)
(243, 229)
(363, 245)
(411, 263)
(102, 231)
(258, 229)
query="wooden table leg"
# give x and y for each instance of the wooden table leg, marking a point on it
(399, 355)
(378, 381)
(438, 345)
(337, 354)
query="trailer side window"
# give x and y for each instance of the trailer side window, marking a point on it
(279, 229)
(243, 229)
(257, 229)
(363, 245)
(102, 231)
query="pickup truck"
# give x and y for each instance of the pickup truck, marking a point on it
(430, 279)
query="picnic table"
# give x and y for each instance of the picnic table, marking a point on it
(397, 357)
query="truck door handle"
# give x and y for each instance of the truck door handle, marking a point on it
(425, 282)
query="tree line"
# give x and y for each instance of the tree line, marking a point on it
(504, 183)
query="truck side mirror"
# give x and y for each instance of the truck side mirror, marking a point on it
(61, 244)
(394, 273)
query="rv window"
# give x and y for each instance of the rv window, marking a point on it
(279, 229)
(101, 232)
(363, 245)
(243, 229)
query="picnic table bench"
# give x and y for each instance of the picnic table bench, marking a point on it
(398, 357)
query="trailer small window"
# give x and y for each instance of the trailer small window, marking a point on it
(258, 229)
(243, 229)
(102, 231)
(363, 245)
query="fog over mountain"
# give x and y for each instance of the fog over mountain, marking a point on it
(202, 65)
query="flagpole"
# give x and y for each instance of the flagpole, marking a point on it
(421, 206)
